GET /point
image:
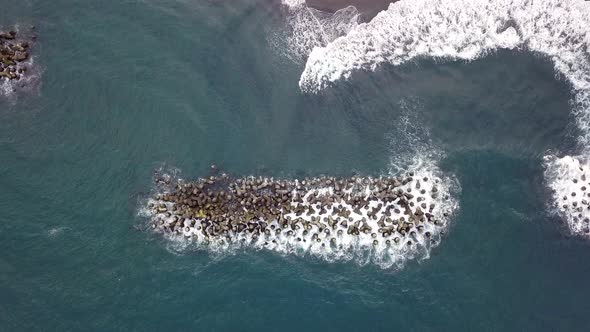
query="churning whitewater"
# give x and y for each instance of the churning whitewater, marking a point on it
(467, 30)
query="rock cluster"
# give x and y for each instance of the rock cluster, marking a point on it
(569, 181)
(321, 212)
(13, 54)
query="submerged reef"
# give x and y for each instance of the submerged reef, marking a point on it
(321, 215)
(14, 52)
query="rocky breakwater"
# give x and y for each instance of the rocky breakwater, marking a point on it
(326, 216)
(14, 52)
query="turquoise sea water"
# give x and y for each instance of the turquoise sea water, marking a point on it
(128, 87)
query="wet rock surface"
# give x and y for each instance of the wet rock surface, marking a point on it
(14, 52)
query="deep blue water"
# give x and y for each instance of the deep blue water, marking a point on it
(127, 87)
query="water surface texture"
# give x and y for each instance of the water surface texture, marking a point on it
(126, 88)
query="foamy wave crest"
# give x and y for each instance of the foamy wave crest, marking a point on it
(386, 220)
(307, 28)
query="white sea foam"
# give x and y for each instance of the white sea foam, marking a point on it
(307, 28)
(56, 231)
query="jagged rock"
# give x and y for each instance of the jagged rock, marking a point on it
(10, 35)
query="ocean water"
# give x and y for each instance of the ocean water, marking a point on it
(125, 88)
